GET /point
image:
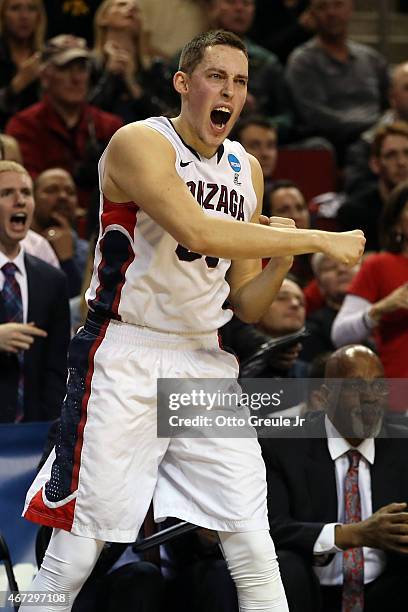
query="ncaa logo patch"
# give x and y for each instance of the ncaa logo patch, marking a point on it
(234, 163)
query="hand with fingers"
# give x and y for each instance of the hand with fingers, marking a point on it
(28, 71)
(346, 247)
(285, 358)
(386, 529)
(60, 237)
(394, 301)
(121, 63)
(15, 337)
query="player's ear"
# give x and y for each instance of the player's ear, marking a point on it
(180, 82)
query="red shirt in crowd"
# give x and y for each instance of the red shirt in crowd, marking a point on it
(46, 141)
(378, 276)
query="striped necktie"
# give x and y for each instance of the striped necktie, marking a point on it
(13, 307)
(353, 560)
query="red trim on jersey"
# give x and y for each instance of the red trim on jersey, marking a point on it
(122, 213)
(63, 515)
(84, 406)
(60, 517)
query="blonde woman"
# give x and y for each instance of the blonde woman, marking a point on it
(22, 29)
(124, 84)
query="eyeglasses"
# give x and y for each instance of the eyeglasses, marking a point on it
(376, 387)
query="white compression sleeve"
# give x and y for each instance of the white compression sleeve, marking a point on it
(348, 326)
(252, 561)
(67, 563)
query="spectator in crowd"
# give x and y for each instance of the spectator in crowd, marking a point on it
(333, 280)
(286, 200)
(54, 218)
(283, 25)
(267, 90)
(34, 312)
(389, 161)
(74, 16)
(259, 137)
(63, 129)
(33, 243)
(339, 86)
(335, 509)
(123, 85)
(22, 29)
(285, 315)
(377, 298)
(357, 172)
(169, 25)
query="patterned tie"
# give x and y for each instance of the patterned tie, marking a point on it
(353, 560)
(13, 307)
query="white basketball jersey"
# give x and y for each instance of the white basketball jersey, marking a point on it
(142, 275)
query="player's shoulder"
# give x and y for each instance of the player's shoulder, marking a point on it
(235, 147)
(143, 136)
(146, 128)
(235, 154)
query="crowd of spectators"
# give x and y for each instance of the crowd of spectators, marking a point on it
(71, 74)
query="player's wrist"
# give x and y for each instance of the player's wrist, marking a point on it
(321, 241)
(348, 536)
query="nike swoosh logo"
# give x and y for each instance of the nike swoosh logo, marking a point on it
(184, 164)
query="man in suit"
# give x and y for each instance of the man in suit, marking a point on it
(34, 312)
(337, 507)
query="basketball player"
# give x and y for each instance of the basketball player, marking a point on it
(178, 202)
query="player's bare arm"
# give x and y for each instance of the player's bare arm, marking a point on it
(253, 289)
(141, 161)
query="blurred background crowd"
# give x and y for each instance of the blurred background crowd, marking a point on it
(327, 118)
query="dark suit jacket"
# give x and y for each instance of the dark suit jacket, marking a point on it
(45, 363)
(302, 495)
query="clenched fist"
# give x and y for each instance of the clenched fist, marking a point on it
(346, 247)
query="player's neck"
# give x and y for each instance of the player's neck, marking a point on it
(190, 137)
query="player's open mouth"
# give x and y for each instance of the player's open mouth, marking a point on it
(220, 117)
(18, 221)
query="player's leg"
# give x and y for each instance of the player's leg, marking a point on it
(67, 563)
(253, 564)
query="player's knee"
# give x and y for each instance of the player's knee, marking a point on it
(66, 568)
(254, 567)
(261, 564)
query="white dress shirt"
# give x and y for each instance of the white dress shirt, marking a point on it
(37, 245)
(21, 278)
(374, 559)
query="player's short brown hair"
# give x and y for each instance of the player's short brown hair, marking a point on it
(399, 128)
(193, 51)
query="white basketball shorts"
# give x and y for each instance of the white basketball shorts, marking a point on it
(108, 463)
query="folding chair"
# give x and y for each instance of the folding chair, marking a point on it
(6, 559)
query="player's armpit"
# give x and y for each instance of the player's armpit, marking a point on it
(258, 185)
